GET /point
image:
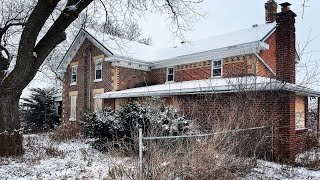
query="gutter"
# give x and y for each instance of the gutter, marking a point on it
(119, 58)
(218, 90)
(302, 90)
(265, 86)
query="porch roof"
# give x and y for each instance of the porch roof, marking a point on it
(215, 85)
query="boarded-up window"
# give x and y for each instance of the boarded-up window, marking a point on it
(73, 108)
(97, 105)
(300, 112)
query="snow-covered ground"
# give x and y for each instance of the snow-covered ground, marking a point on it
(48, 159)
(270, 170)
(75, 159)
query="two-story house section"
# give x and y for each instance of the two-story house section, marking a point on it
(101, 70)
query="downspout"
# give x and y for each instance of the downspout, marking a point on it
(87, 72)
(264, 63)
(90, 78)
(318, 116)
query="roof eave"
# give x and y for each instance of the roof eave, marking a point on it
(78, 40)
(248, 48)
(301, 90)
(270, 85)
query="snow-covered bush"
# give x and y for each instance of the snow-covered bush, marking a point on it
(101, 126)
(98, 125)
(152, 115)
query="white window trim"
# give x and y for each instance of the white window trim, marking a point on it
(74, 83)
(221, 68)
(95, 71)
(167, 74)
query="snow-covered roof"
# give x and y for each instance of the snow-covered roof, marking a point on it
(244, 36)
(216, 85)
(244, 41)
(123, 47)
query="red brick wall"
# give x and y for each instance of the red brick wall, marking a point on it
(83, 81)
(242, 110)
(192, 72)
(262, 70)
(236, 69)
(244, 65)
(231, 106)
(286, 42)
(269, 56)
(131, 78)
(306, 108)
(157, 76)
(284, 128)
(109, 103)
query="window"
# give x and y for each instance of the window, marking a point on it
(98, 69)
(170, 74)
(73, 108)
(216, 68)
(74, 75)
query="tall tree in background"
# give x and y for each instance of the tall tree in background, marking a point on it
(38, 112)
(30, 30)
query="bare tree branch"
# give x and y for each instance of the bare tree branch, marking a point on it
(5, 28)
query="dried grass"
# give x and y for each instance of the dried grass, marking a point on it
(66, 132)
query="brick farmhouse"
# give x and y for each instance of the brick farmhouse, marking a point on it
(251, 70)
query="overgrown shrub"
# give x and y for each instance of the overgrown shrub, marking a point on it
(38, 112)
(152, 115)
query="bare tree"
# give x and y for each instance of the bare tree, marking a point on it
(308, 65)
(30, 30)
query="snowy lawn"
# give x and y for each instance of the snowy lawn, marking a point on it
(270, 170)
(75, 159)
(48, 159)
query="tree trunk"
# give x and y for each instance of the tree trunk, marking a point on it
(10, 129)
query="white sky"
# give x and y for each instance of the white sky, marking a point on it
(232, 15)
(227, 16)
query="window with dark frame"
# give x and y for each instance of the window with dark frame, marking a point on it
(170, 74)
(98, 70)
(74, 74)
(216, 68)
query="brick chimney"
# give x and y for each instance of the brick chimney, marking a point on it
(271, 11)
(285, 44)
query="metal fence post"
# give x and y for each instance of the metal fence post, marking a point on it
(140, 153)
(272, 140)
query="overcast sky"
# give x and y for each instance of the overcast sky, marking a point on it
(223, 16)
